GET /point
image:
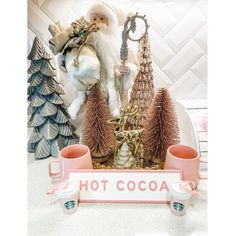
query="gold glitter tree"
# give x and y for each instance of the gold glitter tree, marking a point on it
(143, 89)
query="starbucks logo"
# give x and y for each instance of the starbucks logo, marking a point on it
(69, 205)
(178, 206)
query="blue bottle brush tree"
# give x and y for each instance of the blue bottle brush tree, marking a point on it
(49, 118)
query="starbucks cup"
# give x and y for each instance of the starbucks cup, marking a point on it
(68, 198)
(180, 194)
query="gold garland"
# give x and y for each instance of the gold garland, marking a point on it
(131, 137)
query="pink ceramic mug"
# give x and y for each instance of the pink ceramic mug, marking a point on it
(187, 159)
(76, 156)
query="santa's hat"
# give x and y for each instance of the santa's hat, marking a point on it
(115, 15)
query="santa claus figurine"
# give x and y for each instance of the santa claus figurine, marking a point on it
(115, 79)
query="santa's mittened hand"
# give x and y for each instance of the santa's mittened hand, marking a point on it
(124, 70)
(61, 62)
(63, 68)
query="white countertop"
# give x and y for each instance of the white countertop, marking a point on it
(107, 219)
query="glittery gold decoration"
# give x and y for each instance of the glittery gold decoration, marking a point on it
(131, 137)
(142, 91)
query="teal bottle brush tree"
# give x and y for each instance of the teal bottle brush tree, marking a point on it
(49, 119)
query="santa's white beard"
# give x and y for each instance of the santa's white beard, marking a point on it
(107, 45)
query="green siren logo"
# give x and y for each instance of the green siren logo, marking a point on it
(178, 206)
(69, 205)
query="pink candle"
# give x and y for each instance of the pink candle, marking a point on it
(179, 198)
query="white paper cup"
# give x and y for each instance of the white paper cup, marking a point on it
(179, 199)
(68, 198)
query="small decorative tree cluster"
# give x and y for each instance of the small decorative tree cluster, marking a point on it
(48, 115)
(143, 89)
(161, 128)
(98, 133)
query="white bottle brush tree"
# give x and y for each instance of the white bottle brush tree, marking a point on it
(48, 114)
(124, 159)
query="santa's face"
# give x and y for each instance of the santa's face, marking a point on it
(101, 21)
(105, 39)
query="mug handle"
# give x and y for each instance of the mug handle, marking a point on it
(53, 175)
(201, 175)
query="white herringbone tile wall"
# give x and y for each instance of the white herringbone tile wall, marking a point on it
(178, 37)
